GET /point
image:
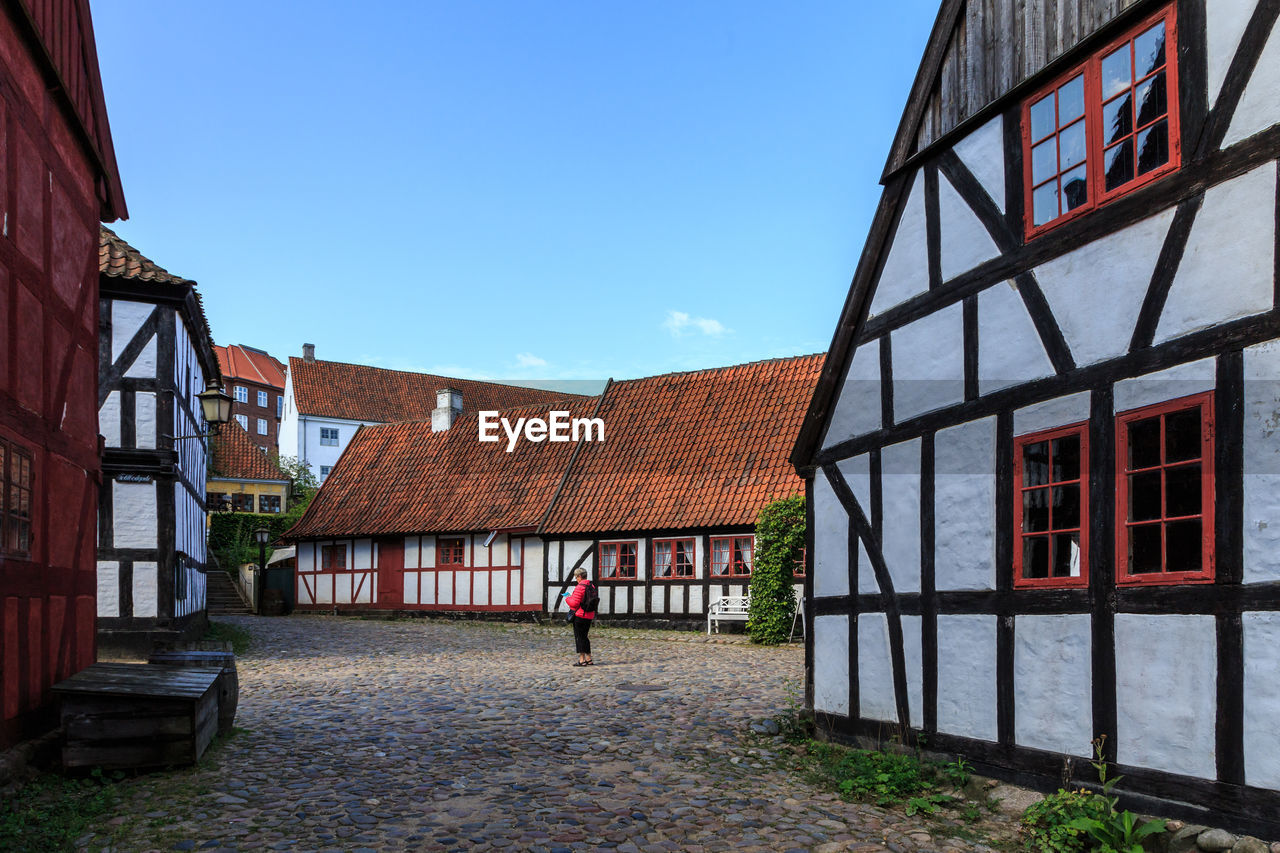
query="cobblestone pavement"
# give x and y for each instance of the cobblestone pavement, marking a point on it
(434, 735)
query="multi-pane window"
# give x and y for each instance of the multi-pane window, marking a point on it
(731, 556)
(1164, 492)
(15, 501)
(798, 567)
(617, 560)
(450, 552)
(215, 501)
(242, 502)
(1051, 497)
(333, 557)
(279, 406)
(324, 471)
(241, 394)
(673, 559)
(262, 399)
(262, 426)
(243, 420)
(1104, 128)
(329, 436)
(269, 503)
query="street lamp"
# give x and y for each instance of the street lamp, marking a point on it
(262, 536)
(215, 405)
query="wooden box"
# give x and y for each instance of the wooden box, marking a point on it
(124, 715)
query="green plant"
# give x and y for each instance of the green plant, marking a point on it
(780, 532)
(957, 772)
(51, 812)
(226, 632)
(1048, 826)
(1113, 831)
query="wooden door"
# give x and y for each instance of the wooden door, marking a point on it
(390, 572)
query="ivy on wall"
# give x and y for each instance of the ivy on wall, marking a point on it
(780, 532)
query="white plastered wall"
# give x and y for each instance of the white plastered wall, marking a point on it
(1259, 107)
(928, 363)
(967, 676)
(831, 664)
(906, 268)
(982, 153)
(857, 409)
(900, 534)
(964, 506)
(830, 540)
(1262, 463)
(875, 668)
(1053, 683)
(1009, 348)
(1261, 699)
(963, 239)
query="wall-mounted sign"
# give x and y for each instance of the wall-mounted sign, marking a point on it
(133, 478)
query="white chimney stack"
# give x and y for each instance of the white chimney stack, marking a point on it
(448, 407)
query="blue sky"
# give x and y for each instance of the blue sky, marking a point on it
(510, 190)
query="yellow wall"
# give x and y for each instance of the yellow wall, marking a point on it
(233, 487)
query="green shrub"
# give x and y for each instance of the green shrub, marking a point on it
(1046, 826)
(780, 531)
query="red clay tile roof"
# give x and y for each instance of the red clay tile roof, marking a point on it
(687, 450)
(118, 259)
(236, 457)
(403, 478)
(250, 364)
(357, 392)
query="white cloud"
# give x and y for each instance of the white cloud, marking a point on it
(678, 323)
(528, 359)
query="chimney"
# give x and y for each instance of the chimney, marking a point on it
(309, 353)
(448, 407)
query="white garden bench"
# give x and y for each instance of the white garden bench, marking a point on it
(731, 607)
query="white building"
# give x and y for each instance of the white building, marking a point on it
(157, 356)
(325, 402)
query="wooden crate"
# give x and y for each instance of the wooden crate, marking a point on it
(124, 715)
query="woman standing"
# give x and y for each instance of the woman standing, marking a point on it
(584, 593)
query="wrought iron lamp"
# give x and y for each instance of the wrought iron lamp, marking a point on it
(215, 405)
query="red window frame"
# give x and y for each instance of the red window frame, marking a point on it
(1020, 489)
(17, 476)
(680, 571)
(329, 555)
(734, 566)
(1124, 526)
(798, 568)
(622, 566)
(1093, 118)
(451, 551)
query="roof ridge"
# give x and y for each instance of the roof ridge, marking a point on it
(294, 358)
(727, 367)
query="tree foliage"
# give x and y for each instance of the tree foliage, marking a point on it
(780, 533)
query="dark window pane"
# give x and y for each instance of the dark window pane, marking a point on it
(1144, 549)
(1144, 443)
(1045, 202)
(1117, 72)
(1043, 121)
(1075, 188)
(1152, 100)
(1066, 458)
(1153, 147)
(1071, 100)
(1066, 507)
(1148, 50)
(1118, 164)
(1071, 146)
(1117, 119)
(1044, 161)
(1144, 496)
(1035, 511)
(1066, 555)
(1185, 546)
(1035, 464)
(1182, 491)
(1035, 557)
(1182, 435)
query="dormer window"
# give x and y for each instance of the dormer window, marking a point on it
(1104, 128)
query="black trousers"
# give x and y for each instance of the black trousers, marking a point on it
(580, 639)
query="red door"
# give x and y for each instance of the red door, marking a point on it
(390, 572)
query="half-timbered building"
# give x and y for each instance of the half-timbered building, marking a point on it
(156, 356)
(59, 180)
(1042, 457)
(662, 513)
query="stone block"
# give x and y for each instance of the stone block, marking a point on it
(1216, 840)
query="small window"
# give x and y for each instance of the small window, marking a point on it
(269, 503)
(1164, 493)
(15, 500)
(617, 560)
(243, 420)
(279, 406)
(329, 436)
(673, 559)
(1104, 128)
(262, 426)
(242, 394)
(797, 569)
(242, 502)
(450, 552)
(180, 578)
(324, 471)
(1050, 508)
(731, 556)
(333, 557)
(214, 501)
(262, 399)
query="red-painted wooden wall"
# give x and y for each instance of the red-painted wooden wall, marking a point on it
(57, 177)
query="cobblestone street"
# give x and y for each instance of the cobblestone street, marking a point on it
(439, 736)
